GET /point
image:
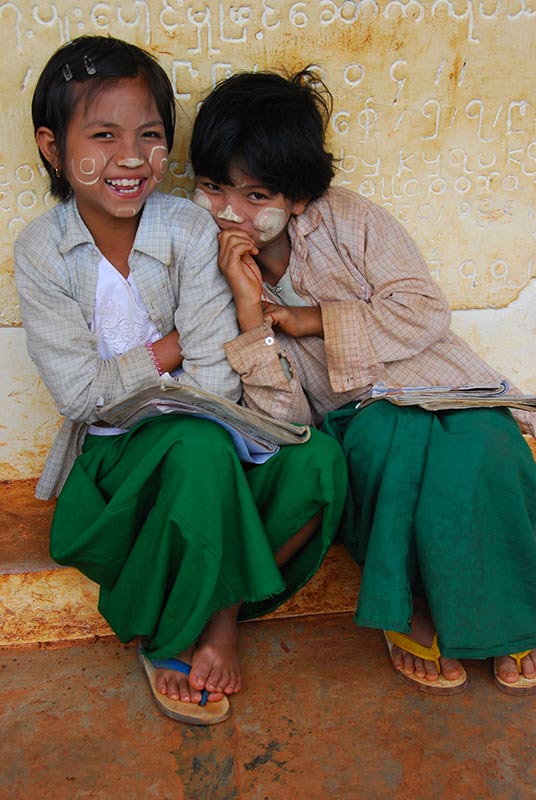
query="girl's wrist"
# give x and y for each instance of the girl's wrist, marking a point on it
(154, 357)
(167, 352)
(250, 317)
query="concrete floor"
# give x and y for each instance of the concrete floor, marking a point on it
(323, 715)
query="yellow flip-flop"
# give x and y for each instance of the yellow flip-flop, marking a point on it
(522, 686)
(432, 653)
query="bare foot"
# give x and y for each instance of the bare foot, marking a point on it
(215, 664)
(422, 631)
(177, 686)
(506, 667)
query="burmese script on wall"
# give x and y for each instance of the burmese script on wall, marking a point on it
(434, 118)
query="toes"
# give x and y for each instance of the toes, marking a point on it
(217, 679)
(176, 687)
(507, 669)
(528, 665)
(451, 669)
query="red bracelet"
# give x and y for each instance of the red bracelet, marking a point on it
(156, 362)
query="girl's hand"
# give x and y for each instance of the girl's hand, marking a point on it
(237, 264)
(295, 321)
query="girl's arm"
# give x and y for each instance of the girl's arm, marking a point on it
(205, 316)
(388, 307)
(57, 317)
(269, 379)
(60, 342)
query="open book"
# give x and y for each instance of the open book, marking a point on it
(435, 398)
(252, 431)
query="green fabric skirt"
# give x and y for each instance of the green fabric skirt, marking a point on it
(173, 527)
(442, 504)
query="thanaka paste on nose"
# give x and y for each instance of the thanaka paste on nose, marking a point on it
(229, 215)
(132, 163)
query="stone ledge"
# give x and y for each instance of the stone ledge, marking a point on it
(43, 604)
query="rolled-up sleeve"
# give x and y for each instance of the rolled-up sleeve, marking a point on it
(269, 381)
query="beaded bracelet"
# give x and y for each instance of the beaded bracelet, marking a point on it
(156, 362)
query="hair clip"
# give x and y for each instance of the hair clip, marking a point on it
(67, 74)
(90, 66)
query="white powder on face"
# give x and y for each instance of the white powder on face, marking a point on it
(87, 169)
(131, 163)
(202, 199)
(229, 215)
(158, 159)
(270, 222)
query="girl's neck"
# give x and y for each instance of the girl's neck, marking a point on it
(115, 239)
(273, 259)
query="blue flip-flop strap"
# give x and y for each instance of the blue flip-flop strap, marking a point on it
(179, 666)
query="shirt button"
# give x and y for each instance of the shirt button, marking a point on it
(269, 340)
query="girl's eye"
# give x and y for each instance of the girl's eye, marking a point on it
(212, 187)
(258, 196)
(153, 135)
(102, 135)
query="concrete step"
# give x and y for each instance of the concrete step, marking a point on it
(43, 604)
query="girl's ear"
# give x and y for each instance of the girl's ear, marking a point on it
(46, 142)
(299, 207)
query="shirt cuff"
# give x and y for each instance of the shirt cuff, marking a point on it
(258, 351)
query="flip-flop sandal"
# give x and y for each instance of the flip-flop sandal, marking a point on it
(441, 685)
(522, 686)
(202, 713)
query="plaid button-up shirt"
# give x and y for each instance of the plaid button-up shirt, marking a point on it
(174, 261)
(383, 316)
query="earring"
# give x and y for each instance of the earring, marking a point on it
(57, 172)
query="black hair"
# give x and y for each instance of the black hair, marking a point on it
(81, 69)
(269, 126)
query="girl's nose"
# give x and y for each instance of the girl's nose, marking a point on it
(131, 163)
(229, 215)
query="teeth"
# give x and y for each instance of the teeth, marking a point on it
(127, 182)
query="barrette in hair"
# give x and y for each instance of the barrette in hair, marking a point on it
(67, 74)
(90, 66)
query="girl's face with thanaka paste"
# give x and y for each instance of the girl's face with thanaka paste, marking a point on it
(115, 151)
(247, 205)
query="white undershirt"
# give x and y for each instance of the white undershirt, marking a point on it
(120, 320)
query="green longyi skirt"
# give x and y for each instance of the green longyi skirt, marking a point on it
(442, 503)
(174, 528)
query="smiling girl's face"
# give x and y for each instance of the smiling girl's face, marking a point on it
(115, 152)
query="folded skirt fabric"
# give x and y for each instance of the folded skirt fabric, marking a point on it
(173, 527)
(442, 503)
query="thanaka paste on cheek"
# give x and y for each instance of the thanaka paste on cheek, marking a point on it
(270, 222)
(87, 172)
(158, 167)
(229, 215)
(201, 199)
